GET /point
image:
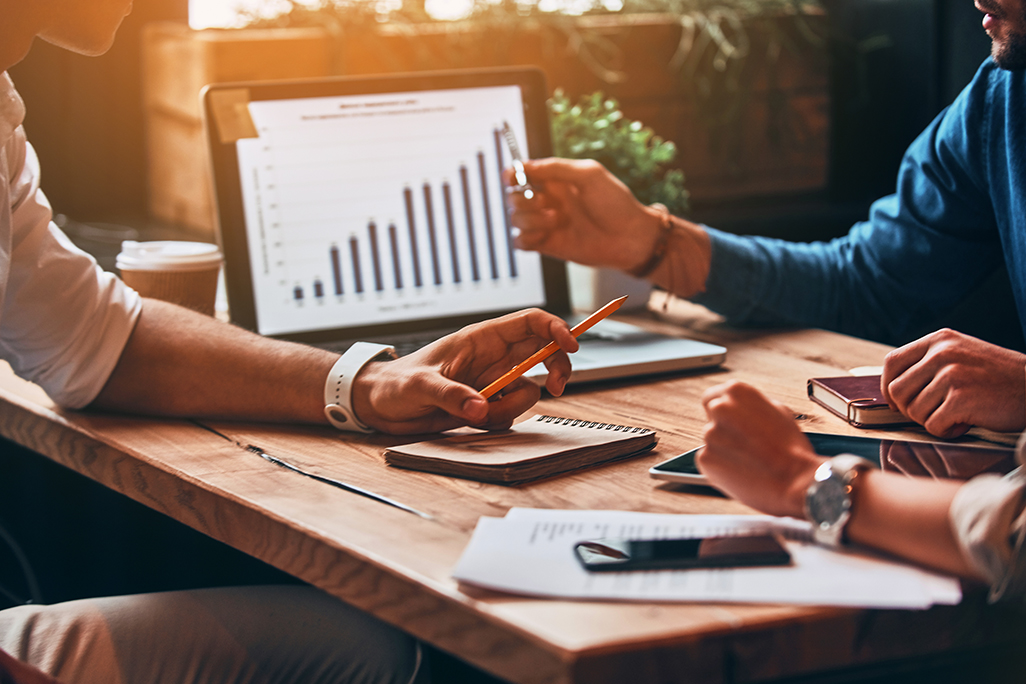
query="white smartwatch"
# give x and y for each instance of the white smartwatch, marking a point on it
(828, 500)
(338, 388)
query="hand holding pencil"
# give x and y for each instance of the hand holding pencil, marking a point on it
(433, 389)
(549, 349)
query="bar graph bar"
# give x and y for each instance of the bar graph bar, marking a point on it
(451, 226)
(499, 155)
(488, 216)
(469, 211)
(318, 289)
(372, 233)
(397, 268)
(297, 294)
(354, 251)
(432, 237)
(412, 226)
(336, 270)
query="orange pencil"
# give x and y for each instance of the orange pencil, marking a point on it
(549, 349)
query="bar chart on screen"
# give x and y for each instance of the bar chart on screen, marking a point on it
(367, 209)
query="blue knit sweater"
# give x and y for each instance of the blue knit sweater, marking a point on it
(959, 209)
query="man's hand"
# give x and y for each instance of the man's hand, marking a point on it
(949, 382)
(434, 388)
(754, 451)
(583, 213)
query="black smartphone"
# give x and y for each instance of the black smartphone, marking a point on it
(618, 555)
(940, 460)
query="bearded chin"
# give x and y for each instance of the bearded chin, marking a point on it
(1011, 55)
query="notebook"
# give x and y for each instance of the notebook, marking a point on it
(856, 399)
(372, 208)
(540, 447)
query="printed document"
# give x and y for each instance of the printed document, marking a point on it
(530, 552)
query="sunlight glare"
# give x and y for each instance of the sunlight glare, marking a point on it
(448, 10)
(225, 13)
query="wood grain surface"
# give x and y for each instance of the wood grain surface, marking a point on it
(397, 565)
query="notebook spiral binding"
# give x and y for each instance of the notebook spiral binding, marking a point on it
(578, 422)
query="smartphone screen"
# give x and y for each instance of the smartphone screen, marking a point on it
(618, 555)
(940, 460)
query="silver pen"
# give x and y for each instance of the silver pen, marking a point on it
(523, 186)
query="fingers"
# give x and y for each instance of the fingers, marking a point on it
(912, 381)
(475, 410)
(535, 328)
(736, 412)
(897, 362)
(536, 324)
(555, 169)
(940, 408)
(734, 394)
(532, 236)
(452, 397)
(559, 332)
(559, 369)
(519, 396)
(497, 344)
(539, 219)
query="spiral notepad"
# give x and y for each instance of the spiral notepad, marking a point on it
(540, 447)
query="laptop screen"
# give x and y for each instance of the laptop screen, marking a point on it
(365, 206)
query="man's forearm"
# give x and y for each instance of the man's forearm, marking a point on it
(909, 517)
(181, 363)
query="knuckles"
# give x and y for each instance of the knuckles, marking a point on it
(590, 167)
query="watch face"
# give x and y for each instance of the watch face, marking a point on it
(829, 502)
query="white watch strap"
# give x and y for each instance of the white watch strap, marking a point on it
(338, 388)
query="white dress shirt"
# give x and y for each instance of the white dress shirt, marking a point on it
(988, 516)
(63, 321)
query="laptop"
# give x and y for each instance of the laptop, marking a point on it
(372, 208)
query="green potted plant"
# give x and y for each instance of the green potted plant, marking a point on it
(596, 128)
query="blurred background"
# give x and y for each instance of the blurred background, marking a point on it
(787, 118)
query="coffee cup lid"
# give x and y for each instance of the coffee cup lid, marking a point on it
(167, 255)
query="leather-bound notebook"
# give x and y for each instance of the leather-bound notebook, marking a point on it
(857, 399)
(540, 447)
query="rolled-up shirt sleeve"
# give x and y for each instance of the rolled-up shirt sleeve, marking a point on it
(63, 321)
(988, 516)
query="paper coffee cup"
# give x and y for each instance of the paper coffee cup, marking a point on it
(183, 273)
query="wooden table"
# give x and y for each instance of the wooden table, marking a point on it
(397, 566)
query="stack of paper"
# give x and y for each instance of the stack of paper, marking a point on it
(530, 551)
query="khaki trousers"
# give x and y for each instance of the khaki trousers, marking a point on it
(234, 635)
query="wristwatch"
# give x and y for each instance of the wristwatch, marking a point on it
(828, 500)
(338, 388)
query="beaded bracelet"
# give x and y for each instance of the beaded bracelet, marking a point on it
(661, 243)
